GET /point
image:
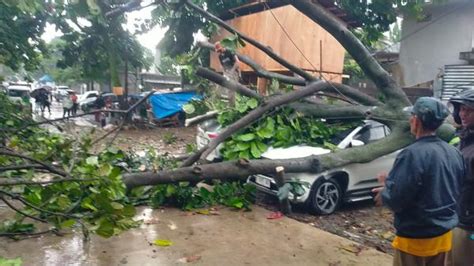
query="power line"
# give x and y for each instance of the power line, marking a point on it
(301, 52)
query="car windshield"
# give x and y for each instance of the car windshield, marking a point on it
(341, 135)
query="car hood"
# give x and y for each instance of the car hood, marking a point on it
(293, 152)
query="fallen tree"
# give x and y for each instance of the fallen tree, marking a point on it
(89, 187)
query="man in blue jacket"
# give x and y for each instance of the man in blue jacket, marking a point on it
(422, 189)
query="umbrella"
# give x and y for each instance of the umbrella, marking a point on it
(37, 92)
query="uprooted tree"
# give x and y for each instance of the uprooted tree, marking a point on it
(89, 188)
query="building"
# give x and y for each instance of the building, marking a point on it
(281, 27)
(438, 51)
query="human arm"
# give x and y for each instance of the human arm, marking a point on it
(403, 182)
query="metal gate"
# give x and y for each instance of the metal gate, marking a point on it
(455, 78)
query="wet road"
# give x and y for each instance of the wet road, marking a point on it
(226, 238)
(57, 112)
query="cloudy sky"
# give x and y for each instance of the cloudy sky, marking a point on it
(149, 39)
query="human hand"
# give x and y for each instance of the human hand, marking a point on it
(381, 177)
(378, 196)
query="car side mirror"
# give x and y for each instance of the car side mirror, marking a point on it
(357, 143)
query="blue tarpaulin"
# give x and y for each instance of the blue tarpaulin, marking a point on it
(167, 104)
(45, 79)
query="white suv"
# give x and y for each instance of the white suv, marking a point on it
(327, 190)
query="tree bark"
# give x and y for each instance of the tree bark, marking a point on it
(229, 170)
(226, 82)
(242, 169)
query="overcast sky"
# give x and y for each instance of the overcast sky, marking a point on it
(149, 39)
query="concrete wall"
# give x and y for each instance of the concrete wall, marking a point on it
(427, 46)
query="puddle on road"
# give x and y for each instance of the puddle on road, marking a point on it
(130, 247)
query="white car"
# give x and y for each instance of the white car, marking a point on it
(19, 94)
(327, 190)
(87, 98)
(206, 131)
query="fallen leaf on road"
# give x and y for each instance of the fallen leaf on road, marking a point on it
(189, 259)
(163, 242)
(353, 248)
(275, 215)
(172, 226)
(203, 212)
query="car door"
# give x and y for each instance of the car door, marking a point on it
(364, 175)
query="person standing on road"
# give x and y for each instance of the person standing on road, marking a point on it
(422, 189)
(74, 103)
(67, 106)
(463, 239)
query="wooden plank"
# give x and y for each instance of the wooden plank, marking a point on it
(304, 32)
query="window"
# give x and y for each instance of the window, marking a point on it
(372, 133)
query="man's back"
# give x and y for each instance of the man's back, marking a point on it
(424, 188)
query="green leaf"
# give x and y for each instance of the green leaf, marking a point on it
(241, 146)
(162, 243)
(129, 211)
(170, 190)
(93, 160)
(246, 137)
(252, 103)
(261, 146)
(189, 108)
(68, 223)
(86, 204)
(106, 229)
(10, 262)
(265, 133)
(104, 170)
(116, 205)
(254, 150)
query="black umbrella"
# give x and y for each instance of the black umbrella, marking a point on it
(38, 91)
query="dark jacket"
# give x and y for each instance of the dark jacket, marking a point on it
(423, 187)
(466, 201)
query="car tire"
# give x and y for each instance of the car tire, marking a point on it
(326, 196)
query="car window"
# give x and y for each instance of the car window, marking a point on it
(91, 95)
(377, 132)
(17, 93)
(338, 137)
(372, 133)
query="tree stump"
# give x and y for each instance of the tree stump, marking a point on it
(285, 206)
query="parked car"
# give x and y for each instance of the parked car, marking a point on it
(87, 99)
(206, 131)
(89, 103)
(329, 189)
(20, 94)
(61, 92)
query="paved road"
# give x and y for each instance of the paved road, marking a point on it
(57, 112)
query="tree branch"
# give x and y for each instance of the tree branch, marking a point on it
(229, 170)
(255, 43)
(338, 88)
(20, 211)
(369, 65)
(242, 169)
(226, 82)
(332, 111)
(45, 166)
(20, 167)
(20, 181)
(259, 70)
(254, 115)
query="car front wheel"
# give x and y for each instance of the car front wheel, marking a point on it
(326, 196)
